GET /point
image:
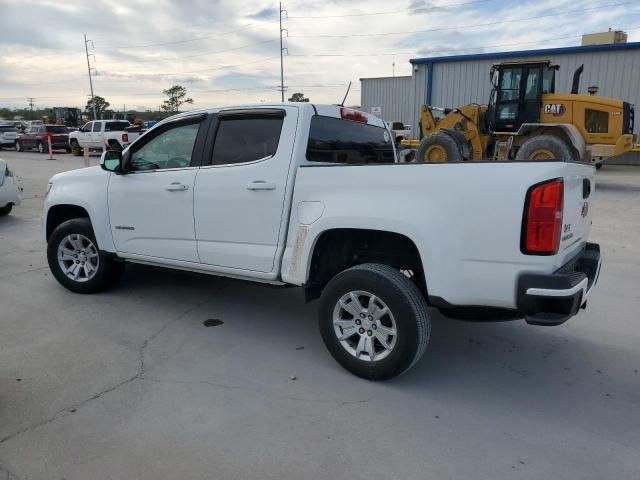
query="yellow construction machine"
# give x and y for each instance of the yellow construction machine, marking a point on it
(526, 120)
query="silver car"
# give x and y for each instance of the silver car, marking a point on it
(8, 136)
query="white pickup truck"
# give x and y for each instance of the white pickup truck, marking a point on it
(310, 195)
(100, 134)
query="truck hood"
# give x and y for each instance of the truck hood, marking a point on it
(80, 173)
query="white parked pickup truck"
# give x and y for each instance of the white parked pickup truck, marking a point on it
(310, 195)
(99, 134)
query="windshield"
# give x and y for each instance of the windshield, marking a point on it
(57, 129)
(116, 126)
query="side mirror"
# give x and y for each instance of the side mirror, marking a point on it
(111, 161)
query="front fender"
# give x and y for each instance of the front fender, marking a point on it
(86, 188)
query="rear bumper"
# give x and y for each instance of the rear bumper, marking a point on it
(552, 299)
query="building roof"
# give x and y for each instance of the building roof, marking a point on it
(528, 53)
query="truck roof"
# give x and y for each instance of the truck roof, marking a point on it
(318, 109)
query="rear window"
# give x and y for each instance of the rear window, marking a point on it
(57, 129)
(7, 128)
(335, 140)
(116, 126)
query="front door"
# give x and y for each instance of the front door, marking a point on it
(240, 191)
(151, 208)
(531, 96)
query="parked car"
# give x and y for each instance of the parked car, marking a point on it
(310, 195)
(37, 138)
(8, 135)
(10, 189)
(400, 131)
(96, 135)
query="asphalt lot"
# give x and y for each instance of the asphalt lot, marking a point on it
(130, 384)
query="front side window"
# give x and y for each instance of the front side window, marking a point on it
(344, 141)
(510, 84)
(596, 121)
(533, 83)
(87, 127)
(173, 148)
(246, 139)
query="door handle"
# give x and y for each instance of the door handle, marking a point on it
(177, 187)
(261, 185)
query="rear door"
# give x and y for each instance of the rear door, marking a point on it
(240, 190)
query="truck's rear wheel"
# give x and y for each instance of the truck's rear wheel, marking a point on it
(41, 148)
(438, 148)
(76, 261)
(545, 147)
(76, 151)
(374, 321)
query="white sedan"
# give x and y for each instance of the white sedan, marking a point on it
(10, 189)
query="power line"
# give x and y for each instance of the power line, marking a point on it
(127, 74)
(417, 10)
(461, 27)
(177, 42)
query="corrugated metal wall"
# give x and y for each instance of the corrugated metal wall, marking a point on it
(617, 75)
(394, 95)
(455, 83)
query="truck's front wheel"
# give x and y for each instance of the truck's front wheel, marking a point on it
(75, 260)
(374, 321)
(75, 148)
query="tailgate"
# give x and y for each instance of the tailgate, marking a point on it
(576, 219)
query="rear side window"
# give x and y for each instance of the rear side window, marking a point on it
(344, 141)
(245, 139)
(116, 126)
(7, 128)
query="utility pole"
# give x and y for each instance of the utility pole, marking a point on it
(282, 87)
(86, 49)
(30, 100)
(393, 65)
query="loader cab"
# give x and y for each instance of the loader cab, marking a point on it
(516, 94)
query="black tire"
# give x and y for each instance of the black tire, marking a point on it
(75, 148)
(403, 299)
(6, 210)
(108, 270)
(546, 147)
(67, 149)
(40, 147)
(599, 166)
(438, 148)
(18, 146)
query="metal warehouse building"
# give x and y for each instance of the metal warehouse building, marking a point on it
(462, 79)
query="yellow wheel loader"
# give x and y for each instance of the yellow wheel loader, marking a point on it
(526, 120)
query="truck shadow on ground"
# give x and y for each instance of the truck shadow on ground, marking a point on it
(495, 358)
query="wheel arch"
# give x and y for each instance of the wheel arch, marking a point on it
(58, 214)
(568, 132)
(336, 249)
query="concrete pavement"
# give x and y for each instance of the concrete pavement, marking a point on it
(131, 384)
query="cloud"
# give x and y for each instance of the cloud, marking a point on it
(225, 51)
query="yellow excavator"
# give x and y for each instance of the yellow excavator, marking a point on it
(526, 120)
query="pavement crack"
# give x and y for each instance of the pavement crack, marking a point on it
(139, 374)
(6, 474)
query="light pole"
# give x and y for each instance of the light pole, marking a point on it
(86, 50)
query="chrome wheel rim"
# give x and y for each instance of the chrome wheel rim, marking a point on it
(41, 147)
(78, 257)
(364, 326)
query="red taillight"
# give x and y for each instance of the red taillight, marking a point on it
(354, 115)
(542, 222)
(125, 137)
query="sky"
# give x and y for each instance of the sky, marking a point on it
(227, 52)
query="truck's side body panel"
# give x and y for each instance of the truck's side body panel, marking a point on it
(464, 218)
